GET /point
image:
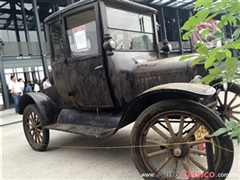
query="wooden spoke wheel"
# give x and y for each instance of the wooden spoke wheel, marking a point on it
(36, 135)
(228, 107)
(166, 141)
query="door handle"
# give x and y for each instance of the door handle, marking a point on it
(98, 67)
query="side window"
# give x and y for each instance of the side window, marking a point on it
(82, 34)
(57, 41)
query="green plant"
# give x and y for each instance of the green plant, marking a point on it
(219, 58)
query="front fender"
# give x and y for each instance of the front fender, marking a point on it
(164, 92)
(185, 88)
(47, 107)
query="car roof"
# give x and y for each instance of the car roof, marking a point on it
(128, 4)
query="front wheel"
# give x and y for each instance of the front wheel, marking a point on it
(167, 141)
(36, 135)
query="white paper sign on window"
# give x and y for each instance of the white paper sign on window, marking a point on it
(80, 38)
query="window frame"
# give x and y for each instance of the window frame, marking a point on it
(132, 11)
(55, 20)
(79, 10)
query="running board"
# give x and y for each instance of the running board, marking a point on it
(92, 124)
(91, 131)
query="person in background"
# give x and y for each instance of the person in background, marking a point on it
(36, 87)
(15, 91)
(22, 85)
(46, 83)
(28, 87)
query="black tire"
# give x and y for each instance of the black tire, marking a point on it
(176, 111)
(37, 136)
(228, 107)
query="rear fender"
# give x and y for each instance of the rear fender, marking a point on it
(164, 92)
(47, 108)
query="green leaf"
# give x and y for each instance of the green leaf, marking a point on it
(238, 139)
(202, 50)
(228, 53)
(209, 78)
(217, 6)
(237, 16)
(231, 62)
(235, 133)
(204, 33)
(218, 35)
(215, 71)
(209, 62)
(231, 124)
(212, 16)
(204, 3)
(196, 19)
(220, 131)
(220, 56)
(232, 20)
(236, 33)
(186, 57)
(198, 45)
(198, 59)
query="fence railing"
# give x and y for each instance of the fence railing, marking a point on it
(23, 48)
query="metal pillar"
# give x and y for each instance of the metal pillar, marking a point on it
(162, 21)
(40, 39)
(192, 48)
(179, 32)
(27, 36)
(13, 8)
(55, 7)
(4, 86)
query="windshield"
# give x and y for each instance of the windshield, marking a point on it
(132, 31)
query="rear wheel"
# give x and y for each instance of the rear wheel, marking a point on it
(36, 135)
(228, 107)
(168, 141)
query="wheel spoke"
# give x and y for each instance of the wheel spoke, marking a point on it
(180, 130)
(153, 141)
(175, 165)
(34, 137)
(160, 132)
(164, 162)
(39, 125)
(236, 112)
(236, 106)
(30, 129)
(196, 163)
(199, 152)
(39, 130)
(185, 165)
(233, 99)
(220, 102)
(152, 154)
(225, 98)
(39, 139)
(194, 128)
(232, 116)
(169, 127)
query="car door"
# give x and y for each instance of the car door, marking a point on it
(87, 69)
(59, 64)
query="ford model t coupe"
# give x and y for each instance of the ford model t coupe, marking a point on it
(108, 74)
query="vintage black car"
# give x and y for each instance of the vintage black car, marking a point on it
(108, 73)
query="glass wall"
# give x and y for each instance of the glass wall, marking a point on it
(28, 70)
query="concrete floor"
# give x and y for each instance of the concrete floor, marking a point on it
(64, 159)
